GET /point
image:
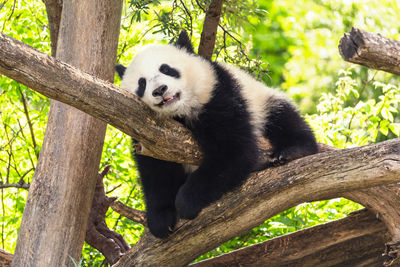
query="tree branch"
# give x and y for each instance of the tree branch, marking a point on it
(14, 185)
(132, 214)
(267, 193)
(5, 258)
(98, 98)
(210, 26)
(371, 50)
(54, 10)
(357, 240)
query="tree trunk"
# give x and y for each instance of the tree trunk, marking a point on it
(209, 33)
(59, 201)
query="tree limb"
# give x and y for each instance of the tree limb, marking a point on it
(5, 258)
(111, 244)
(53, 10)
(209, 33)
(266, 193)
(96, 97)
(14, 185)
(132, 214)
(357, 240)
(371, 50)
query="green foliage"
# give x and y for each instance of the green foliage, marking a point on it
(300, 41)
(349, 117)
(19, 144)
(287, 45)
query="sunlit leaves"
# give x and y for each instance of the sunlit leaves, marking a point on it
(348, 118)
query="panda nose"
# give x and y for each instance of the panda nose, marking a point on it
(159, 91)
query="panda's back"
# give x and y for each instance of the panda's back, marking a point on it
(256, 94)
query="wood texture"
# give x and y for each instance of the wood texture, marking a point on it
(384, 202)
(137, 216)
(56, 213)
(357, 240)
(210, 26)
(371, 50)
(54, 11)
(266, 193)
(62, 82)
(111, 244)
(5, 258)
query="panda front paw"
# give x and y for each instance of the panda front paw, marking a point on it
(161, 223)
(187, 203)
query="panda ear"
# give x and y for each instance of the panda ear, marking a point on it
(184, 42)
(120, 69)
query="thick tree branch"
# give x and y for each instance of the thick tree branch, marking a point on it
(111, 244)
(371, 50)
(357, 240)
(164, 139)
(267, 193)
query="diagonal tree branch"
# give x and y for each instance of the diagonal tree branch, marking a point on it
(357, 240)
(267, 193)
(98, 98)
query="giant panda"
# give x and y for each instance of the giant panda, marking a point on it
(226, 109)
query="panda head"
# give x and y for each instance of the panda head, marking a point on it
(170, 79)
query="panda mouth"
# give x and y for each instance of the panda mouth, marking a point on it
(169, 100)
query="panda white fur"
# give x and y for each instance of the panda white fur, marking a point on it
(226, 109)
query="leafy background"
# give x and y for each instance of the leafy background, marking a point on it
(289, 46)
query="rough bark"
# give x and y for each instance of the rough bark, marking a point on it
(5, 258)
(62, 82)
(371, 50)
(384, 202)
(210, 26)
(132, 214)
(54, 11)
(357, 240)
(267, 193)
(111, 244)
(56, 213)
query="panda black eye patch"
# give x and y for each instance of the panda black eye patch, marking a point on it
(142, 87)
(167, 70)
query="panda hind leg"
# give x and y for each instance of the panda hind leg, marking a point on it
(160, 181)
(290, 136)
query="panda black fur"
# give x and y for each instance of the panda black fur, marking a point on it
(226, 109)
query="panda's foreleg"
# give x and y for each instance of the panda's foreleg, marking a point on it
(160, 181)
(229, 155)
(290, 136)
(208, 183)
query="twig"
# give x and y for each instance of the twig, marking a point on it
(14, 185)
(29, 122)
(132, 214)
